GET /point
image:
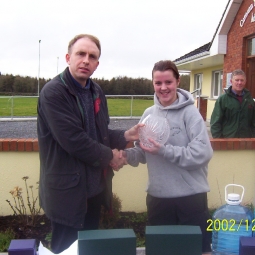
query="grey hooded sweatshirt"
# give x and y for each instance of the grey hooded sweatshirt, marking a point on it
(180, 168)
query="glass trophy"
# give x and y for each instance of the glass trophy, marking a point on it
(156, 128)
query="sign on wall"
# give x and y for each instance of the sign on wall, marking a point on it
(250, 8)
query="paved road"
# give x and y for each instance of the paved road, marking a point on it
(27, 129)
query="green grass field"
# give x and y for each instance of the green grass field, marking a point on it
(26, 106)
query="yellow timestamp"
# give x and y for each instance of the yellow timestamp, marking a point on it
(230, 225)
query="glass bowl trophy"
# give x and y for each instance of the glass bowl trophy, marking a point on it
(156, 128)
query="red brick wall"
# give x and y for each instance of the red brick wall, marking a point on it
(236, 50)
(233, 144)
(14, 144)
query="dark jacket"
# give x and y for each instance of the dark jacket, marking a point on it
(230, 119)
(66, 150)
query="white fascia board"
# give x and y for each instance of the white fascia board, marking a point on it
(220, 45)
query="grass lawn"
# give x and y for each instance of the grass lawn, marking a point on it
(18, 106)
(122, 107)
(26, 106)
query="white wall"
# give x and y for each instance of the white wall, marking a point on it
(130, 183)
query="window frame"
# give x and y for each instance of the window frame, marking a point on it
(251, 46)
(200, 83)
(219, 85)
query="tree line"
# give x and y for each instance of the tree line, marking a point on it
(122, 85)
(20, 85)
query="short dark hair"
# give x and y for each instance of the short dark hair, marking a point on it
(238, 72)
(165, 65)
(91, 37)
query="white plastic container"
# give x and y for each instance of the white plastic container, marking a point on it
(230, 221)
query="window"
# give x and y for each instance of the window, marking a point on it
(198, 82)
(251, 47)
(216, 84)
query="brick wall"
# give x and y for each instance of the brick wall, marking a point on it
(15, 144)
(10, 144)
(236, 48)
(233, 144)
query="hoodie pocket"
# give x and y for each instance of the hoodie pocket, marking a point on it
(185, 180)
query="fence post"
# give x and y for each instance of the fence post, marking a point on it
(131, 110)
(12, 108)
(11, 99)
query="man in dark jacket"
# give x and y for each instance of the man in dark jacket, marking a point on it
(234, 113)
(77, 149)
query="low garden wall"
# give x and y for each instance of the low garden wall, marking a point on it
(233, 162)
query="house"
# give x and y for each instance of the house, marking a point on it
(232, 47)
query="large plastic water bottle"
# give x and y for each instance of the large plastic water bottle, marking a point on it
(230, 222)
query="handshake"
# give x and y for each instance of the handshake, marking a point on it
(119, 159)
(119, 156)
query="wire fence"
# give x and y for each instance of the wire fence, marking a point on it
(25, 107)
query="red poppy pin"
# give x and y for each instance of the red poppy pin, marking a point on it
(97, 105)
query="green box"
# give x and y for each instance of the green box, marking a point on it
(107, 242)
(173, 240)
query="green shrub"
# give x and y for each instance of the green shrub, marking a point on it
(140, 240)
(109, 219)
(5, 239)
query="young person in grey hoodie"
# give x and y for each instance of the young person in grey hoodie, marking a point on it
(177, 186)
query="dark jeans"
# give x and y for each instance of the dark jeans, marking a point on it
(63, 236)
(189, 210)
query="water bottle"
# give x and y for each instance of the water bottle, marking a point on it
(229, 222)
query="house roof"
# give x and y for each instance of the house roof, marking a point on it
(195, 52)
(212, 53)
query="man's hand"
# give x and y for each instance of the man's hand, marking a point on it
(132, 133)
(118, 161)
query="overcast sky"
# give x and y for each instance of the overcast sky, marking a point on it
(134, 34)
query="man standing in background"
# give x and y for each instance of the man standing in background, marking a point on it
(234, 114)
